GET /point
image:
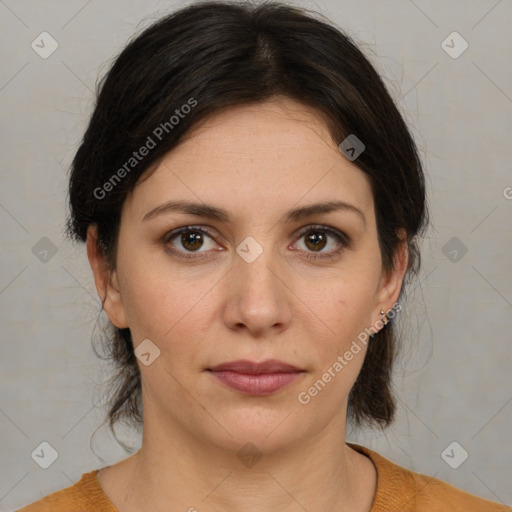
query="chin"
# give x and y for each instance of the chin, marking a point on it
(263, 430)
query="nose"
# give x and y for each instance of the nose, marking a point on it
(258, 296)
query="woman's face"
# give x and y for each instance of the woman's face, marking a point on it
(257, 284)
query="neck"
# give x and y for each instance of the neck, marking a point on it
(174, 472)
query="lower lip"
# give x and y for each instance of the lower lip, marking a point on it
(263, 384)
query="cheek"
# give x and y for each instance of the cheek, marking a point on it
(340, 349)
(345, 309)
(345, 303)
(161, 300)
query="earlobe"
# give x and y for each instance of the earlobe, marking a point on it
(106, 280)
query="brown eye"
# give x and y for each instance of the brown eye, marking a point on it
(317, 238)
(189, 240)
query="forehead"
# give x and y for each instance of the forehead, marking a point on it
(274, 153)
(273, 124)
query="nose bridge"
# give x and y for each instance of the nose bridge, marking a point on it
(258, 293)
(257, 268)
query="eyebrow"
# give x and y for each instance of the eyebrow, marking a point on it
(213, 212)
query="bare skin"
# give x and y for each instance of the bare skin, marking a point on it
(257, 162)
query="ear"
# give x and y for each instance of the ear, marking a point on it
(106, 280)
(391, 281)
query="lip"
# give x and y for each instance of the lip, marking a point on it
(252, 368)
(253, 378)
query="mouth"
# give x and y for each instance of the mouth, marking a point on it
(253, 378)
(253, 368)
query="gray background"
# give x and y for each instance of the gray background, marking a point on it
(453, 378)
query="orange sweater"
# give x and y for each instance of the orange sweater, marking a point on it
(398, 490)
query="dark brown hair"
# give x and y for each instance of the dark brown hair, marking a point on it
(221, 54)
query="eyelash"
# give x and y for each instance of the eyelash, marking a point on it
(341, 237)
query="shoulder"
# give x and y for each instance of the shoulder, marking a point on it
(401, 489)
(58, 501)
(434, 494)
(84, 495)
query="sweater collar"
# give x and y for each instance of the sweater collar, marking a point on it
(396, 489)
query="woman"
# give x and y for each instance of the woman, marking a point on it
(251, 200)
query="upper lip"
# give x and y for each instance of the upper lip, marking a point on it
(253, 368)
